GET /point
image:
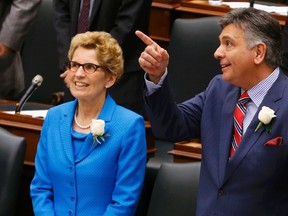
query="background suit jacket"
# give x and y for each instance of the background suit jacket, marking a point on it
(120, 18)
(284, 63)
(104, 179)
(16, 17)
(255, 180)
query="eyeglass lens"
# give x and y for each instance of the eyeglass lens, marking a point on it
(87, 67)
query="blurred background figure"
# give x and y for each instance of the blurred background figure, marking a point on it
(16, 17)
(284, 63)
(120, 19)
(86, 167)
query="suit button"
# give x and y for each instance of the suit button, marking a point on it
(220, 192)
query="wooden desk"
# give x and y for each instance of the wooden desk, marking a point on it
(24, 126)
(164, 13)
(196, 8)
(162, 16)
(187, 151)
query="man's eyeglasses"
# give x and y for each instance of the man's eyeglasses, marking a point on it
(87, 67)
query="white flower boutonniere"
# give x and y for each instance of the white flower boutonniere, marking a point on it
(98, 130)
(265, 116)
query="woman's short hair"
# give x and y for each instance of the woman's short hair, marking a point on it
(108, 52)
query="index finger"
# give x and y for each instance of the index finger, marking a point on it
(147, 40)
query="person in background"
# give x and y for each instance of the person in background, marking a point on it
(16, 17)
(284, 63)
(120, 19)
(91, 156)
(244, 162)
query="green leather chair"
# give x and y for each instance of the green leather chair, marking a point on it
(175, 190)
(191, 49)
(12, 153)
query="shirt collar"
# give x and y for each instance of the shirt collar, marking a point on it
(258, 92)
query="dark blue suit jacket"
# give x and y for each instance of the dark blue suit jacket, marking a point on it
(255, 181)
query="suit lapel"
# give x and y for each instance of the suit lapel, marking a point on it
(95, 8)
(75, 10)
(65, 127)
(226, 133)
(86, 148)
(272, 100)
(249, 139)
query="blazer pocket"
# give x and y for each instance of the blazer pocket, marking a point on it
(274, 142)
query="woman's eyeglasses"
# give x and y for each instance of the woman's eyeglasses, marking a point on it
(87, 67)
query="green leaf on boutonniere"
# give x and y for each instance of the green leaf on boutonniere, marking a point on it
(268, 128)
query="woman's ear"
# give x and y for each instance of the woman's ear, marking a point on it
(111, 79)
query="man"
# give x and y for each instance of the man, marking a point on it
(120, 19)
(16, 17)
(248, 177)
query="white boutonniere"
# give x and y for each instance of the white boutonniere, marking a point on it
(265, 116)
(98, 130)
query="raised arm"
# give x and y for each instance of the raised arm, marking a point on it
(154, 59)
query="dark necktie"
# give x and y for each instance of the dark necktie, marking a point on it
(239, 114)
(83, 19)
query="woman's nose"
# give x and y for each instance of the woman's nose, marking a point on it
(80, 71)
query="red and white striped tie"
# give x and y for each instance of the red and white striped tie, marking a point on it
(239, 114)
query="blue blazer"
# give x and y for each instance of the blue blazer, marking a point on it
(255, 180)
(104, 179)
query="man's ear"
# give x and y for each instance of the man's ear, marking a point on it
(260, 53)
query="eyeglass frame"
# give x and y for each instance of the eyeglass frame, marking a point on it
(68, 64)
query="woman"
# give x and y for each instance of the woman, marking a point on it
(79, 172)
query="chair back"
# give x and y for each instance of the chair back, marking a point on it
(175, 190)
(191, 49)
(12, 153)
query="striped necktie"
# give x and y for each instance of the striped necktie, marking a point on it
(83, 19)
(239, 114)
